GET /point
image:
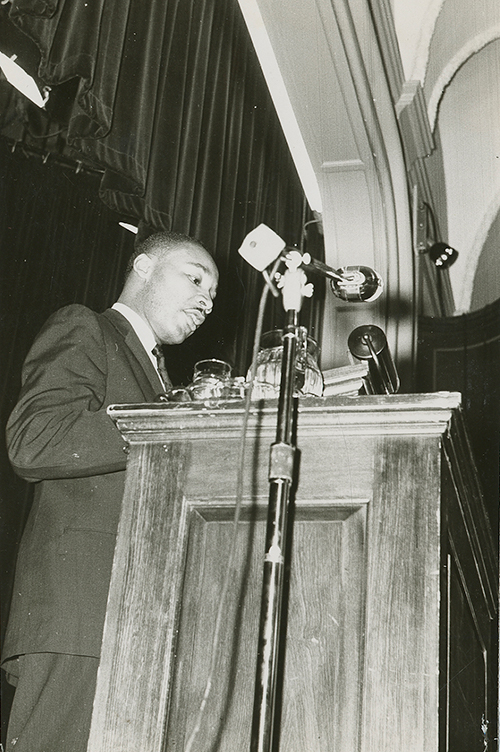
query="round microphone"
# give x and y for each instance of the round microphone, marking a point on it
(370, 343)
(357, 284)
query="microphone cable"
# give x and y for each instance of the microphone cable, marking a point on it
(237, 508)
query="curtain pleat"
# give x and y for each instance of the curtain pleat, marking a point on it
(59, 245)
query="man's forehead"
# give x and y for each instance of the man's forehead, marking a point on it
(192, 256)
(201, 258)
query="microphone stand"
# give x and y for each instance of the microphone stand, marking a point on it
(281, 463)
(354, 284)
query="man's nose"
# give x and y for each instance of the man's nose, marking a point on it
(206, 303)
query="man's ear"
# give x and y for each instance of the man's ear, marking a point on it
(143, 265)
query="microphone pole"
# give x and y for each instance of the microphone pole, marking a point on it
(353, 284)
(281, 464)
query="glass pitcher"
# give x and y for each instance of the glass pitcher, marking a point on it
(308, 377)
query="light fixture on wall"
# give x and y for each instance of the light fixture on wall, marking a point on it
(442, 255)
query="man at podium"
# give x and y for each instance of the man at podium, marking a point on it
(60, 438)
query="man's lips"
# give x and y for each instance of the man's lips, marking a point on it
(196, 316)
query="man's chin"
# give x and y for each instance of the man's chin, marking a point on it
(179, 338)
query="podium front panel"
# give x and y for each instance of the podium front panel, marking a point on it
(389, 556)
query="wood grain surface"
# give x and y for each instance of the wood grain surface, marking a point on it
(387, 530)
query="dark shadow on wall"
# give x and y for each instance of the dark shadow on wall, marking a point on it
(462, 353)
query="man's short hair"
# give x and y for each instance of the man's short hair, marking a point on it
(159, 242)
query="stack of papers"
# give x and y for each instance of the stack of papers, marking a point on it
(346, 380)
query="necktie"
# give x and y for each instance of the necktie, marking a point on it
(162, 366)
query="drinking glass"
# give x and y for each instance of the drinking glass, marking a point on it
(210, 377)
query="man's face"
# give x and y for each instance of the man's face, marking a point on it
(178, 292)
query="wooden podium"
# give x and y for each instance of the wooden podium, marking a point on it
(391, 597)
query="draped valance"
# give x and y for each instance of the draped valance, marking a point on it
(172, 102)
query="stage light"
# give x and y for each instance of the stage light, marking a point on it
(22, 81)
(128, 226)
(442, 255)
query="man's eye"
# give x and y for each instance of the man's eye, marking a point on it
(195, 280)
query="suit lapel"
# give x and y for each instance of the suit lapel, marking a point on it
(139, 360)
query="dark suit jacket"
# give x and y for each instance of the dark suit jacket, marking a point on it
(60, 436)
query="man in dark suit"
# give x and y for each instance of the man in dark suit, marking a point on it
(60, 437)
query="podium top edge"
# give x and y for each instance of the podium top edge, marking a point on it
(428, 413)
(363, 403)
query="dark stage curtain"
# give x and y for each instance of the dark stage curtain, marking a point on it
(462, 353)
(173, 105)
(172, 108)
